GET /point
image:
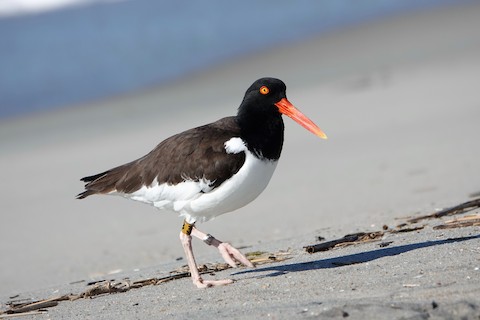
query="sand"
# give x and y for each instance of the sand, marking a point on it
(399, 101)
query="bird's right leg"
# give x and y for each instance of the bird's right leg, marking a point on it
(186, 240)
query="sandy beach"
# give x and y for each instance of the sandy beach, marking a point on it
(399, 99)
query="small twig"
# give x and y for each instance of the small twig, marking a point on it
(347, 240)
(13, 315)
(401, 229)
(458, 224)
(42, 304)
(461, 208)
(470, 217)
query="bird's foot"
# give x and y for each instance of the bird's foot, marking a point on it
(232, 255)
(200, 283)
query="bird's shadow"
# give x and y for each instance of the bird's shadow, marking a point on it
(351, 258)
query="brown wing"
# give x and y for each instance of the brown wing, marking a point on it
(194, 154)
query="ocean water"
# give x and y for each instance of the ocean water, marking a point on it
(65, 57)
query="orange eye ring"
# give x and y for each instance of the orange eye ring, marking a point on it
(264, 90)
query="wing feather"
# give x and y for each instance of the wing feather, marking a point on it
(194, 154)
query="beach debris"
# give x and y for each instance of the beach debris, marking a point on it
(106, 287)
(23, 314)
(26, 307)
(103, 287)
(461, 222)
(262, 257)
(385, 244)
(347, 240)
(31, 306)
(401, 228)
(467, 221)
(256, 257)
(408, 226)
(461, 208)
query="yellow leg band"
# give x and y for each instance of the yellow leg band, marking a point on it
(187, 228)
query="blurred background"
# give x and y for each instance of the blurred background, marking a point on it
(57, 53)
(86, 85)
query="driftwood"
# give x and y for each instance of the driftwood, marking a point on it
(461, 208)
(402, 228)
(467, 221)
(23, 314)
(28, 307)
(349, 239)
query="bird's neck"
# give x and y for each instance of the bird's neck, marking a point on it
(263, 134)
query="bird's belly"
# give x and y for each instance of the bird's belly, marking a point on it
(197, 201)
(236, 192)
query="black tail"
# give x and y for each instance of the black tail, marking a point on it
(85, 194)
(121, 178)
(89, 180)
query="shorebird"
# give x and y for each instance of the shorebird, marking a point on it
(210, 170)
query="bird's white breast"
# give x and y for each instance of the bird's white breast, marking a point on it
(197, 201)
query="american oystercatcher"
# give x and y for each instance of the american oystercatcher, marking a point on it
(210, 170)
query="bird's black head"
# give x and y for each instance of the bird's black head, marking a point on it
(263, 105)
(260, 120)
(260, 117)
(261, 97)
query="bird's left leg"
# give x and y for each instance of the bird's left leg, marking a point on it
(230, 254)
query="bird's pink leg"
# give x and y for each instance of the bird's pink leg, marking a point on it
(186, 240)
(230, 254)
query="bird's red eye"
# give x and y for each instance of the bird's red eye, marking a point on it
(264, 90)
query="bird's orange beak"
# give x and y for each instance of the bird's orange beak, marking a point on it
(288, 109)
